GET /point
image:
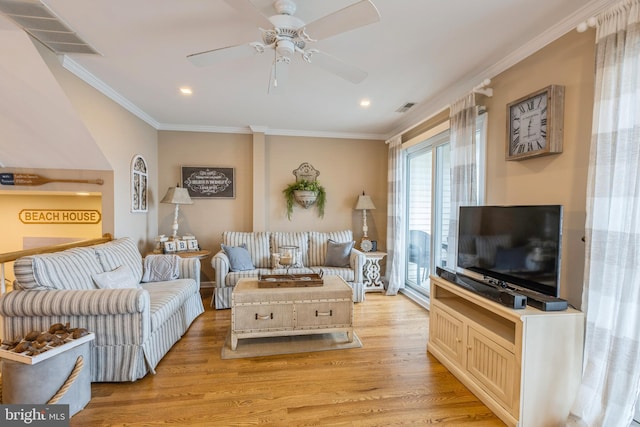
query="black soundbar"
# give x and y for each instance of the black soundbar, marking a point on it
(504, 296)
(544, 302)
(535, 299)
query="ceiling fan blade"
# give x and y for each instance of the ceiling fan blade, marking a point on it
(279, 76)
(338, 67)
(357, 15)
(248, 11)
(210, 57)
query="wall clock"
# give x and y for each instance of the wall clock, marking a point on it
(535, 124)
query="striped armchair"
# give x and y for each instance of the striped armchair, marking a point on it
(312, 246)
(134, 326)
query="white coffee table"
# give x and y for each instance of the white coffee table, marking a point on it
(271, 312)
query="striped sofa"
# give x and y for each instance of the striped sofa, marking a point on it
(262, 244)
(134, 327)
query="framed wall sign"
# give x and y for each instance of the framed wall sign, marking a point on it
(205, 182)
(535, 124)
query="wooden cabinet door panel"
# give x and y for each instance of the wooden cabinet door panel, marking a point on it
(493, 366)
(446, 333)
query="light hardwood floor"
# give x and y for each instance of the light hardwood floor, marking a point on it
(390, 381)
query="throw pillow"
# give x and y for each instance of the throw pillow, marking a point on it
(160, 268)
(239, 257)
(338, 253)
(119, 278)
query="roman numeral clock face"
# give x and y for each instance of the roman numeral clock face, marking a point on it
(529, 125)
(534, 125)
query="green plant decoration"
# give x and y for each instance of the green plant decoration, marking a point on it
(304, 185)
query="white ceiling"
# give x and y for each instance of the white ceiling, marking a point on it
(425, 51)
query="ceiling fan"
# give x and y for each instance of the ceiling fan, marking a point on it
(287, 35)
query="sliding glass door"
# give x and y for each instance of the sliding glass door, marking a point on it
(428, 198)
(427, 209)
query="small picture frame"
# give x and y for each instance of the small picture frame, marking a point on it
(192, 245)
(170, 247)
(181, 245)
(374, 246)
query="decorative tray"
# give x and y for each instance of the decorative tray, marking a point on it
(290, 280)
(47, 352)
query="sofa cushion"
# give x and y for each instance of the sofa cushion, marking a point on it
(69, 270)
(257, 244)
(318, 242)
(120, 278)
(120, 252)
(239, 257)
(165, 298)
(292, 238)
(338, 253)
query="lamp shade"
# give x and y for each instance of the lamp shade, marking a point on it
(364, 202)
(177, 196)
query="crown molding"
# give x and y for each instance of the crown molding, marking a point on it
(83, 74)
(267, 131)
(444, 98)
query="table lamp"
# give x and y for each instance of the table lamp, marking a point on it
(365, 203)
(177, 196)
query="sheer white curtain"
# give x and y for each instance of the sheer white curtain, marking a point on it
(395, 217)
(464, 185)
(611, 295)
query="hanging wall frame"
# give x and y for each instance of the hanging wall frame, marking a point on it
(139, 184)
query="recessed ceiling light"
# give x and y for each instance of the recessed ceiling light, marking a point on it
(365, 103)
(186, 90)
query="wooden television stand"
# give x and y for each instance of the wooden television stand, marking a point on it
(525, 365)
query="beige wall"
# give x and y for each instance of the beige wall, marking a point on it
(120, 136)
(555, 179)
(347, 167)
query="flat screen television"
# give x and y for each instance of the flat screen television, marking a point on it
(515, 245)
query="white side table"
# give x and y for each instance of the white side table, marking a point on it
(371, 272)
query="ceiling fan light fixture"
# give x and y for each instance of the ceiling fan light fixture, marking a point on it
(285, 47)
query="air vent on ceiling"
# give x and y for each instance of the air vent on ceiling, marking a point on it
(405, 107)
(37, 20)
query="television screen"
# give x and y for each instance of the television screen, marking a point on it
(519, 245)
